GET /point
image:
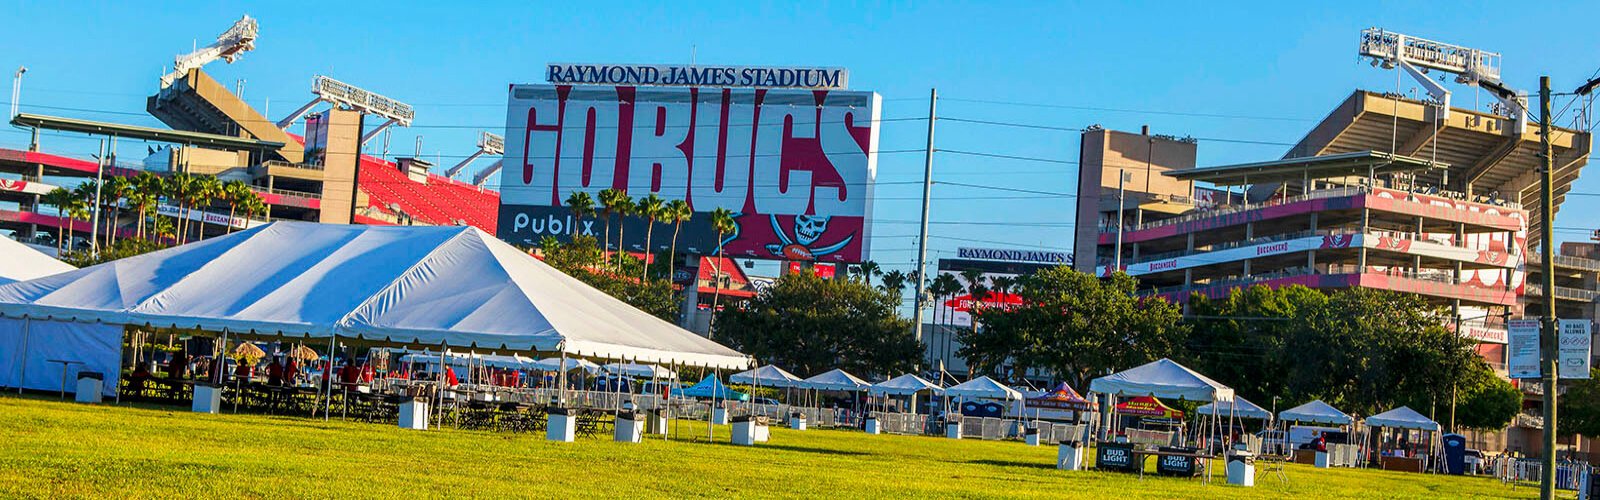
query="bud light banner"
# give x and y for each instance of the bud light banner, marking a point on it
(796, 167)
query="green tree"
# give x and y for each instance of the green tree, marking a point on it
(1242, 339)
(68, 206)
(581, 258)
(207, 189)
(677, 212)
(1484, 401)
(867, 270)
(581, 205)
(236, 194)
(609, 198)
(1579, 410)
(810, 325)
(1073, 325)
(649, 208)
(894, 284)
(722, 223)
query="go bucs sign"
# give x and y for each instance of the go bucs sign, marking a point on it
(795, 165)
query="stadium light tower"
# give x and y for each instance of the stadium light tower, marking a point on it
(16, 89)
(231, 44)
(1417, 56)
(489, 143)
(355, 98)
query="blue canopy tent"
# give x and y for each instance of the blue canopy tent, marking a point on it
(712, 387)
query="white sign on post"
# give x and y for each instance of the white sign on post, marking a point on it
(1522, 351)
(1574, 348)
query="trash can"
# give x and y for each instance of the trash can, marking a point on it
(744, 430)
(414, 413)
(90, 385)
(797, 421)
(628, 427)
(952, 429)
(561, 425)
(1030, 435)
(1069, 456)
(207, 398)
(1455, 453)
(871, 426)
(1241, 468)
(719, 416)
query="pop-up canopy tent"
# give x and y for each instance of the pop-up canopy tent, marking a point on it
(20, 263)
(639, 370)
(904, 385)
(713, 388)
(1403, 418)
(1315, 412)
(834, 380)
(1239, 407)
(1061, 398)
(555, 364)
(984, 388)
(412, 285)
(766, 375)
(1163, 378)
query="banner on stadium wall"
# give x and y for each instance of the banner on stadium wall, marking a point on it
(1522, 350)
(795, 166)
(207, 217)
(1575, 348)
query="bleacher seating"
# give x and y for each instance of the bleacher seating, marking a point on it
(441, 201)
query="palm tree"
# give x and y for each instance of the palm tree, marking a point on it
(146, 193)
(208, 189)
(1002, 284)
(581, 205)
(945, 286)
(236, 194)
(677, 212)
(63, 200)
(868, 270)
(608, 206)
(894, 283)
(625, 208)
(721, 222)
(649, 209)
(119, 188)
(177, 189)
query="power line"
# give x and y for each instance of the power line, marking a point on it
(1126, 110)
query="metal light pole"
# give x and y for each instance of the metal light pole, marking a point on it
(16, 89)
(1547, 337)
(922, 234)
(1122, 179)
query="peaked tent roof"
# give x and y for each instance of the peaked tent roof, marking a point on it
(467, 359)
(982, 387)
(1162, 378)
(1316, 412)
(640, 370)
(834, 380)
(712, 387)
(767, 375)
(554, 364)
(18, 262)
(1062, 397)
(904, 385)
(450, 285)
(1239, 407)
(1403, 417)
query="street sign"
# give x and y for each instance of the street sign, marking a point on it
(1522, 352)
(1574, 349)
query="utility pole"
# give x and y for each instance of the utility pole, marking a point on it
(922, 234)
(99, 178)
(1547, 330)
(16, 89)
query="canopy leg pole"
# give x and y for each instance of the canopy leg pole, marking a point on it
(22, 365)
(561, 394)
(327, 375)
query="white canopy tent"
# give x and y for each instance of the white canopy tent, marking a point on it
(834, 380)
(514, 361)
(1403, 418)
(983, 387)
(1239, 407)
(1162, 378)
(767, 375)
(555, 364)
(639, 370)
(453, 286)
(18, 262)
(904, 385)
(1316, 412)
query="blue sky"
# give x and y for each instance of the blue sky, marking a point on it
(1155, 63)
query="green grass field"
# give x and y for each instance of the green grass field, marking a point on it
(54, 449)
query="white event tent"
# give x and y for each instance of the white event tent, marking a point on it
(454, 287)
(555, 364)
(1403, 418)
(1162, 378)
(983, 387)
(1315, 412)
(904, 385)
(18, 262)
(766, 375)
(834, 380)
(1239, 407)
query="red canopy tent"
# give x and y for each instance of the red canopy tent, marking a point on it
(1147, 406)
(1061, 398)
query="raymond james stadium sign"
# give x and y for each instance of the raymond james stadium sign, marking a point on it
(1043, 256)
(627, 75)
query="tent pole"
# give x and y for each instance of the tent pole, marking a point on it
(22, 365)
(561, 394)
(327, 374)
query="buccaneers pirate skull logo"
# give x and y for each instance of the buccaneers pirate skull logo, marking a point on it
(808, 229)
